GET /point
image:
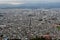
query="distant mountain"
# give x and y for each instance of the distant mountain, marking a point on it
(31, 5)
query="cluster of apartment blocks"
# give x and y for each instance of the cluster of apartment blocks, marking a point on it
(26, 23)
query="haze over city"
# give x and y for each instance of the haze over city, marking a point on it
(30, 19)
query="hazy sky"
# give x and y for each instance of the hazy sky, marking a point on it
(25, 1)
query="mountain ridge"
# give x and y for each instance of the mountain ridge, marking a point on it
(31, 5)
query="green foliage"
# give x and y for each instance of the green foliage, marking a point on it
(37, 38)
(40, 20)
(58, 27)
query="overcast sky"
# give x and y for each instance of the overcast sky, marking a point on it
(25, 1)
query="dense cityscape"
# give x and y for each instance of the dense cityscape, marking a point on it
(28, 23)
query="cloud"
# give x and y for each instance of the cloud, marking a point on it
(25, 1)
(11, 2)
(15, 3)
(43, 1)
